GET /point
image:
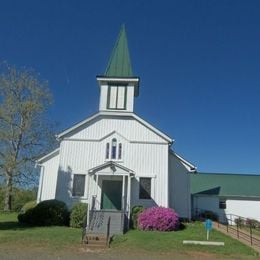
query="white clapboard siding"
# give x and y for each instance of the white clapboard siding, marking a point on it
(146, 160)
(48, 178)
(128, 127)
(247, 207)
(179, 188)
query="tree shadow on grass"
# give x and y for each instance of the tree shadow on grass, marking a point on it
(13, 225)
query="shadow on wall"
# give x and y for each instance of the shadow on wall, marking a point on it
(65, 184)
(135, 194)
(64, 187)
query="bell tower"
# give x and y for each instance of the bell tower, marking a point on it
(118, 86)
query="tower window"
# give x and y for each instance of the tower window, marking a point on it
(117, 97)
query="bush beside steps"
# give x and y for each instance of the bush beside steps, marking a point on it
(46, 213)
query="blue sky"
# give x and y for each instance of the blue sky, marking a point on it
(198, 62)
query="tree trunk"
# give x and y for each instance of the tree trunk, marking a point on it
(8, 193)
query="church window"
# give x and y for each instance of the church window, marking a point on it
(107, 151)
(120, 151)
(78, 185)
(117, 97)
(145, 188)
(113, 152)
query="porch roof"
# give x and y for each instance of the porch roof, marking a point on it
(112, 165)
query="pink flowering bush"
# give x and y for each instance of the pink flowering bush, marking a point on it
(158, 218)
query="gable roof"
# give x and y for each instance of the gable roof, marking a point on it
(192, 167)
(119, 64)
(232, 185)
(48, 156)
(105, 113)
(111, 164)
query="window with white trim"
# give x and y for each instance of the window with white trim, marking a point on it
(78, 188)
(114, 150)
(145, 187)
(116, 97)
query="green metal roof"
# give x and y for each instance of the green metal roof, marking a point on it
(236, 185)
(120, 64)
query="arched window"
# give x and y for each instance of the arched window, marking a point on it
(107, 151)
(113, 151)
(120, 151)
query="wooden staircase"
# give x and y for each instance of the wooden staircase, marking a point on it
(96, 241)
(103, 225)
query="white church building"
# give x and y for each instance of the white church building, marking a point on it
(114, 159)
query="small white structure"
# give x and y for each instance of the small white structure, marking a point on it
(114, 159)
(227, 195)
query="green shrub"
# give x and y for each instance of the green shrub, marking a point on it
(46, 213)
(26, 217)
(29, 205)
(136, 210)
(26, 212)
(78, 215)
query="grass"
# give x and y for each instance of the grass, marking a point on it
(172, 241)
(11, 232)
(14, 235)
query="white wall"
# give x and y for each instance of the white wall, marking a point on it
(244, 208)
(48, 179)
(179, 187)
(241, 207)
(144, 152)
(127, 126)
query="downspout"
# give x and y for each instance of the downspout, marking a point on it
(39, 195)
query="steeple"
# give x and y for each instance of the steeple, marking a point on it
(118, 86)
(119, 64)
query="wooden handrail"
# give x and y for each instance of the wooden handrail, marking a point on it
(108, 231)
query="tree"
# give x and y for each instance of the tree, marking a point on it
(24, 130)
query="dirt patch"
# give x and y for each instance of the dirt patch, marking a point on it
(82, 253)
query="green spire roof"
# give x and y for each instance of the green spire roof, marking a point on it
(120, 64)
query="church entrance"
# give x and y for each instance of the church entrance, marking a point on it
(111, 197)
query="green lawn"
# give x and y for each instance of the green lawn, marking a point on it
(172, 241)
(11, 232)
(14, 235)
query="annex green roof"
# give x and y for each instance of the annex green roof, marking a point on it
(119, 64)
(232, 185)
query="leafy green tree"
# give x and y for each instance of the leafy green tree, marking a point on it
(25, 133)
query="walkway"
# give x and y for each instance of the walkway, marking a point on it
(243, 236)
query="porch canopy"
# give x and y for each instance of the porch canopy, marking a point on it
(109, 187)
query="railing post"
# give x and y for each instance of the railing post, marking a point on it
(227, 226)
(108, 231)
(251, 239)
(238, 227)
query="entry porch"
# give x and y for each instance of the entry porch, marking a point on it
(109, 193)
